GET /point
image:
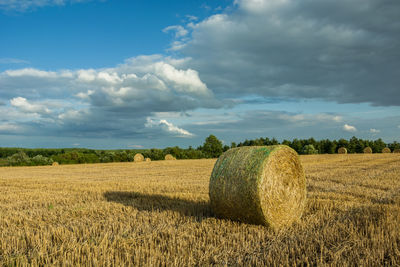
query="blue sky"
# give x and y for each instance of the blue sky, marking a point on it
(132, 74)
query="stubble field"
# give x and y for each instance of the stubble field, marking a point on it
(157, 214)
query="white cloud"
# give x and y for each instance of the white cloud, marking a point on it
(167, 127)
(72, 115)
(328, 117)
(372, 130)
(349, 128)
(182, 80)
(25, 5)
(9, 127)
(23, 104)
(76, 102)
(13, 61)
(178, 29)
(141, 83)
(259, 6)
(191, 18)
(30, 72)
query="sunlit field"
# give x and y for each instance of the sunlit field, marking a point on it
(157, 214)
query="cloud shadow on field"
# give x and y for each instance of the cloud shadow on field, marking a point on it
(155, 202)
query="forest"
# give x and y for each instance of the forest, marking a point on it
(211, 148)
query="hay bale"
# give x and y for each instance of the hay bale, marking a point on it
(386, 150)
(55, 163)
(148, 159)
(342, 150)
(169, 157)
(259, 184)
(367, 150)
(138, 158)
(397, 150)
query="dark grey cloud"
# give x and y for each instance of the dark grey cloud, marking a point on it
(334, 50)
(288, 125)
(232, 66)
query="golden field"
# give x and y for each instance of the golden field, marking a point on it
(157, 214)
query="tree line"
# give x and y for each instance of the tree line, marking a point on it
(211, 148)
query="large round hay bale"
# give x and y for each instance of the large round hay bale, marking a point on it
(397, 150)
(55, 163)
(138, 158)
(259, 184)
(367, 150)
(169, 157)
(342, 150)
(148, 159)
(386, 150)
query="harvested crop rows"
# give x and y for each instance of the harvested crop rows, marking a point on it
(157, 213)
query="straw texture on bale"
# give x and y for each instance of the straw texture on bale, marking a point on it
(386, 150)
(138, 158)
(342, 150)
(397, 150)
(148, 159)
(55, 163)
(367, 150)
(169, 157)
(260, 185)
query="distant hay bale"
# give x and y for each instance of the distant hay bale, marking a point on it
(386, 150)
(55, 163)
(367, 150)
(138, 158)
(148, 159)
(397, 150)
(259, 184)
(342, 150)
(169, 157)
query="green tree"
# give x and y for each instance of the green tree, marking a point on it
(39, 160)
(19, 159)
(309, 150)
(212, 147)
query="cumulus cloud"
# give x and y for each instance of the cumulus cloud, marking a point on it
(167, 127)
(23, 104)
(102, 101)
(153, 79)
(178, 29)
(349, 128)
(333, 50)
(374, 131)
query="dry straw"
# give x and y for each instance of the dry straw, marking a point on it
(397, 150)
(138, 158)
(169, 157)
(386, 150)
(148, 159)
(260, 185)
(55, 163)
(367, 150)
(342, 150)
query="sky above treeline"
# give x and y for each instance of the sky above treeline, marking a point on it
(142, 74)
